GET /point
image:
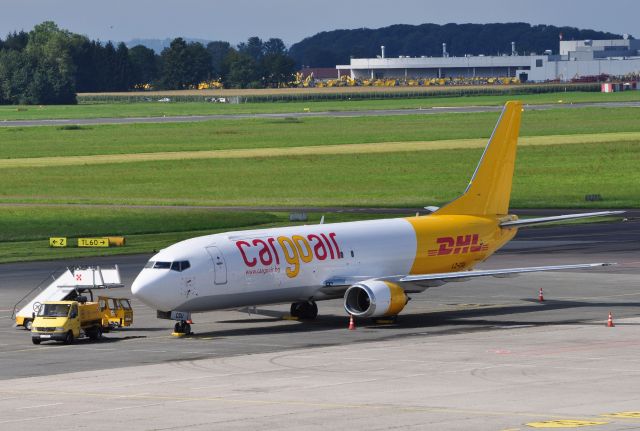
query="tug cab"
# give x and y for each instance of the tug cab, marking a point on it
(116, 312)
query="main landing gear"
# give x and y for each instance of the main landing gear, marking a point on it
(305, 310)
(182, 328)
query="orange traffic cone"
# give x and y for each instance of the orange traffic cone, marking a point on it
(610, 321)
(352, 323)
(540, 296)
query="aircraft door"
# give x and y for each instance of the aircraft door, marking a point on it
(219, 265)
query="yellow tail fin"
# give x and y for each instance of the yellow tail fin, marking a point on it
(489, 190)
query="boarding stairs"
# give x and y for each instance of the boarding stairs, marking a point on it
(68, 285)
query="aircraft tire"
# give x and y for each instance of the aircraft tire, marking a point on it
(306, 310)
(182, 327)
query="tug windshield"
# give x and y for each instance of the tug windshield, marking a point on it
(54, 310)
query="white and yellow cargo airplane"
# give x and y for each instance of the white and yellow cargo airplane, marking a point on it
(372, 264)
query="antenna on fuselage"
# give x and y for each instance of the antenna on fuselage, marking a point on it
(322, 220)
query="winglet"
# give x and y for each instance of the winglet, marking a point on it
(489, 190)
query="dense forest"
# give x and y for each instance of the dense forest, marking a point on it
(329, 48)
(49, 66)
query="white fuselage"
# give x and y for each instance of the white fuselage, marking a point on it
(272, 265)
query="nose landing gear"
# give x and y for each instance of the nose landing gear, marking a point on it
(183, 324)
(182, 328)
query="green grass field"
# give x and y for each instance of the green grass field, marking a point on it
(565, 154)
(157, 109)
(546, 176)
(277, 133)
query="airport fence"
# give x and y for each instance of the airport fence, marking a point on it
(332, 95)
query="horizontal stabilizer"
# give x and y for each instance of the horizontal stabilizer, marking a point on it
(465, 275)
(541, 220)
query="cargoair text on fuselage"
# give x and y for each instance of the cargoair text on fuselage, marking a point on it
(372, 264)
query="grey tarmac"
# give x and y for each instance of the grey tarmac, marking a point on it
(479, 355)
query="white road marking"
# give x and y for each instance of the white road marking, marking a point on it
(38, 406)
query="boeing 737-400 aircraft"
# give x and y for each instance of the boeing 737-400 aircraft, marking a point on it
(373, 264)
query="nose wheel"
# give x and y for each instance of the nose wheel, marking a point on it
(182, 328)
(306, 310)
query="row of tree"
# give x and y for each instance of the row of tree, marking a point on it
(49, 65)
(329, 48)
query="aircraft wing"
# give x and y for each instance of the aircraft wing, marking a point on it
(500, 273)
(540, 220)
(336, 286)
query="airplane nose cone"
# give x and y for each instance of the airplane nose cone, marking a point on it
(142, 289)
(156, 289)
(137, 287)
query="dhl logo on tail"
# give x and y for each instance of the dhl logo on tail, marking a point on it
(462, 244)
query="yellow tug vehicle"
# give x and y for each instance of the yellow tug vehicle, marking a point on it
(66, 321)
(116, 312)
(65, 310)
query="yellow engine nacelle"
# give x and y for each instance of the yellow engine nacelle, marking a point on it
(374, 298)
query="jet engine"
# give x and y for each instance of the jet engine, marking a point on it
(374, 298)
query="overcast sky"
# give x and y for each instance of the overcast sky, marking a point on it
(292, 20)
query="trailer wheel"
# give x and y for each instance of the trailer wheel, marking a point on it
(28, 324)
(95, 334)
(69, 338)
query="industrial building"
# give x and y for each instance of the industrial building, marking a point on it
(575, 59)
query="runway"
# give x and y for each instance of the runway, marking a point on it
(484, 354)
(336, 114)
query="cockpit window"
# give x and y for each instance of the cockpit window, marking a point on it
(180, 265)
